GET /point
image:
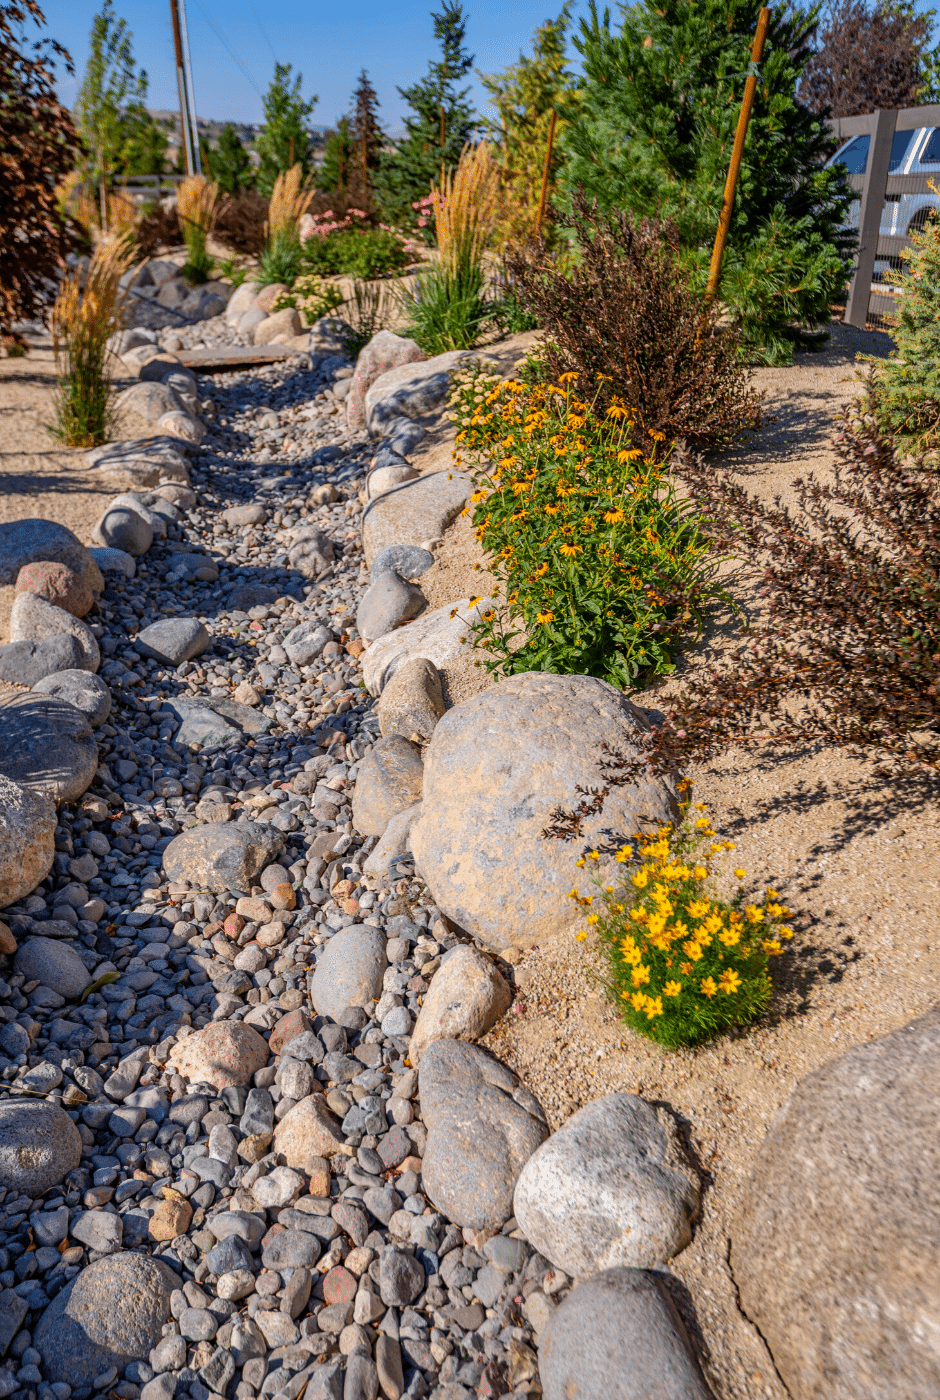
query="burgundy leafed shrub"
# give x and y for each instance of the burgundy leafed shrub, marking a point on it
(621, 306)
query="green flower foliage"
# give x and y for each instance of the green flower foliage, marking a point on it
(653, 134)
(907, 387)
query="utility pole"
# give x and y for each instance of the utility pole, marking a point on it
(190, 91)
(185, 127)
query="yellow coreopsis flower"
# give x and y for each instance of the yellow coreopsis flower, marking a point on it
(753, 914)
(640, 879)
(729, 981)
(640, 975)
(692, 949)
(730, 936)
(771, 946)
(709, 987)
(654, 1007)
(672, 989)
(739, 874)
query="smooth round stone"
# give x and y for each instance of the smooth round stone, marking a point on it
(55, 964)
(85, 691)
(408, 560)
(47, 742)
(39, 1146)
(27, 839)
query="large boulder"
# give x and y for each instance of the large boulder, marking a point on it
(224, 1053)
(58, 584)
(27, 839)
(441, 637)
(483, 1124)
(387, 603)
(39, 1146)
(612, 1186)
(54, 963)
(86, 692)
(140, 464)
(389, 782)
(33, 619)
(415, 511)
(286, 322)
(409, 391)
(46, 744)
(412, 702)
(244, 298)
(619, 1337)
(222, 856)
(834, 1249)
(466, 998)
(497, 767)
(30, 663)
(384, 351)
(113, 1313)
(149, 401)
(25, 541)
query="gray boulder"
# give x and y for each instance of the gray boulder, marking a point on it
(306, 641)
(26, 663)
(329, 336)
(27, 838)
(612, 1186)
(114, 561)
(55, 964)
(413, 701)
(149, 401)
(619, 1337)
(26, 541)
(113, 1313)
(349, 971)
(408, 560)
(483, 1124)
(311, 552)
(34, 619)
(479, 841)
(443, 636)
(222, 856)
(45, 743)
(389, 782)
(139, 501)
(382, 479)
(387, 603)
(410, 391)
(214, 722)
(243, 299)
(124, 529)
(466, 997)
(394, 842)
(86, 692)
(834, 1247)
(173, 640)
(385, 351)
(414, 512)
(39, 1146)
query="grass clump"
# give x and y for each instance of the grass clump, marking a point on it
(282, 257)
(367, 312)
(196, 202)
(449, 305)
(682, 964)
(604, 567)
(86, 312)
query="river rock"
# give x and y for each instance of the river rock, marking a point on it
(618, 1337)
(467, 996)
(286, 322)
(30, 663)
(114, 561)
(408, 560)
(479, 841)
(24, 541)
(58, 584)
(39, 1145)
(225, 1053)
(382, 479)
(45, 743)
(442, 636)
(173, 640)
(307, 1133)
(86, 692)
(305, 642)
(244, 298)
(124, 529)
(834, 1247)
(414, 512)
(55, 964)
(386, 604)
(483, 1124)
(349, 971)
(149, 401)
(412, 701)
(611, 1187)
(394, 842)
(409, 391)
(311, 552)
(222, 856)
(389, 782)
(113, 1313)
(32, 619)
(384, 351)
(27, 838)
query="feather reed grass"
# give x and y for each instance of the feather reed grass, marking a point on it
(87, 311)
(448, 305)
(196, 204)
(290, 200)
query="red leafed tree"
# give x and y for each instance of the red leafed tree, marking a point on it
(868, 56)
(38, 146)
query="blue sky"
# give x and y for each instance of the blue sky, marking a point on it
(329, 41)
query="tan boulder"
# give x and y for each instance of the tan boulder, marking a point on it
(467, 996)
(225, 1053)
(307, 1133)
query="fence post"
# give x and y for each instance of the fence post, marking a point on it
(869, 219)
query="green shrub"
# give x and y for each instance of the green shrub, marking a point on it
(350, 248)
(312, 297)
(907, 386)
(604, 566)
(682, 964)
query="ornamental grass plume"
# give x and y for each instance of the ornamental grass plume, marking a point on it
(290, 200)
(196, 202)
(86, 312)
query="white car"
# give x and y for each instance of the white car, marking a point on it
(913, 153)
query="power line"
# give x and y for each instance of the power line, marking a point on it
(237, 61)
(263, 30)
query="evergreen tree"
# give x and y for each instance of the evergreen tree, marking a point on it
(408, 170)
(367, 136)
(144, 148)
(524, 96)
(111, 114)
(871, 57)
(338, 159)
(228, 163)
(653, 135)
(907, 386)
(285, 138)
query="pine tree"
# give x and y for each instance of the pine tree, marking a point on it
(442, 124)
(907, 386)
(653, 134)
(339, 158)
(524, 96)
(285, 138)
(111, 112)
(228, 163)
(367, 136)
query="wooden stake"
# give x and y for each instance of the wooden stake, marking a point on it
(744, 116)
(442, 148)
(543, 198)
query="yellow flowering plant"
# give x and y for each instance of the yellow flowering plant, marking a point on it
(312, 296)
(682, 964)
(605, 569)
